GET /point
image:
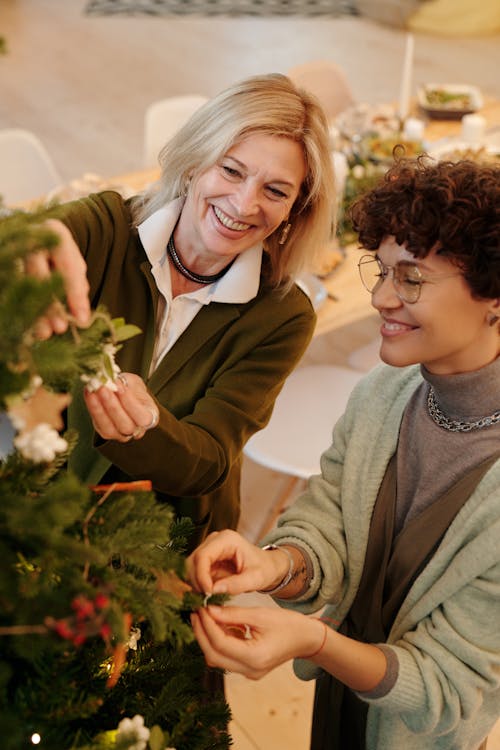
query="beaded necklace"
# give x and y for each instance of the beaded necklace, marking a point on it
(191, 275)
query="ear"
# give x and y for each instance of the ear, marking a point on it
(494, 312)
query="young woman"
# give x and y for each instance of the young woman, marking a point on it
(397, 540)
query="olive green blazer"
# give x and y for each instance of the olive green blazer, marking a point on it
(215, 387)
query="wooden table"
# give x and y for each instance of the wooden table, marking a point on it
(437, 129)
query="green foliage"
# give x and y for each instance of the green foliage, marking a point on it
(363, 174)
(81, 567)
(368, 161)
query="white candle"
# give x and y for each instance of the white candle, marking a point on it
(413, 129)
(473, 127)
(406, 78)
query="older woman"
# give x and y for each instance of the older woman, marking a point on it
(398, 537)
(204, 263)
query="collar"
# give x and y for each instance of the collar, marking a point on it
(467, 395)
(240, 284)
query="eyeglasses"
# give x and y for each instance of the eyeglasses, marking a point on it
(406, 277)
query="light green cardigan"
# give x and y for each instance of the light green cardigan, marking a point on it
(447, 632)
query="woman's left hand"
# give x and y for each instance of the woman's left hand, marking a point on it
(125, 414)
(253, 641)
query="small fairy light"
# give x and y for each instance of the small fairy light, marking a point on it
(106, 665)
(35, 738)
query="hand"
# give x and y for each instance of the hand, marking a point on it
(125, 414)
(227, 563)
(274, 636)
(67, 260)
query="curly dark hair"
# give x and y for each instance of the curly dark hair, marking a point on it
(453, 207)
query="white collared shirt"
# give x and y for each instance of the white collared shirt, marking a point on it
(240, 284)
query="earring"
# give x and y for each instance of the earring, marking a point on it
(492, 319)
(284, 234)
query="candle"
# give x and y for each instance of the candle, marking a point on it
(406, 78)
(413, 129)
(473, 127)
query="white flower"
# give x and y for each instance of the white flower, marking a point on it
(134, 635)
(94, 382)
(107, 372)
(41, 444)
(134, 732)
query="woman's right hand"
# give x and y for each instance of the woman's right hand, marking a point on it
(226, 563)
(67, 260)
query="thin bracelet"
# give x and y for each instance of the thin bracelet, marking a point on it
(288, 577)
(322, 642)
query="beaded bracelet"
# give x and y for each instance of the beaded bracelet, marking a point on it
(288, 577)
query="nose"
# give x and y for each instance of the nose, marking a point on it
(246, 198)
(385, 294)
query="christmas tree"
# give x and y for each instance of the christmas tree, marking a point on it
(96, 649)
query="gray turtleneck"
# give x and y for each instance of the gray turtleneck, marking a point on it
(430, 458)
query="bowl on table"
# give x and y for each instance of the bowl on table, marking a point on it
(449, 101)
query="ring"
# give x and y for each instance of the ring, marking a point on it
(121, 376)
(155, 418)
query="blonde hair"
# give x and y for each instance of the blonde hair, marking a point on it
(269, 104)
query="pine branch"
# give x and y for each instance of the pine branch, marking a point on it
(81, 568)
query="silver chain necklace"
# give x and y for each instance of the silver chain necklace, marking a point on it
(454, 425)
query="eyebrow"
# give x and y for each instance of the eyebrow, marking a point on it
(277, 181)
(407, 262)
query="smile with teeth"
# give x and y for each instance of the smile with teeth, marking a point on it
(237, 226)
(396, 326)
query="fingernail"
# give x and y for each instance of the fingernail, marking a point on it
(82, 316)
(220, 588)
(206, 599)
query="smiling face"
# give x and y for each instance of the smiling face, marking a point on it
(239, 201)
(446, 329)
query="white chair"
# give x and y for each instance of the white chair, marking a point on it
(163, 119)
(27, 171)
(327, 81)
(300, 428)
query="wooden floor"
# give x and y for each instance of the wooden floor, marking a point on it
(83, 83)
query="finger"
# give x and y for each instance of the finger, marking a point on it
(57, 317)
(199, 571)
(214, 559)
(68, 261)
(211, 656)
(38, 265)
(43, 329)
(238, 577)
(231, 615)
(107, 420)
(140, 407)
(217, 646)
